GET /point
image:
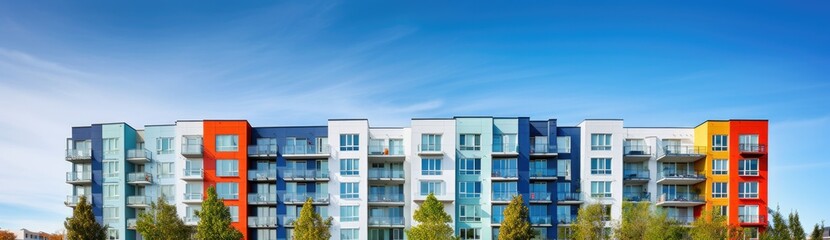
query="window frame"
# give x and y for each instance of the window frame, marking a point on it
(463, 142)
(464, 164)
(601, 141)
(350, 190)
(231, 186)
(720, 142)
(231, 164)
(349, 142)
(350, 167)
(464, 188)
(234, 141)
(601, 166)
(437, 187)
(464, 213)
(601, 189)
(745, 190)
(431, 166)
(350, 209)
(717, 163)
(720, 189)
(744, 167)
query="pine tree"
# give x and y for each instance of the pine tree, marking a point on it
(590, 223)
(433, 222)
(796, 229)
(818, 231)
(160, 221)
(710, 225)
(215, 219)
(515, 224)
(82, 224)
(310, 226)
(779, 229)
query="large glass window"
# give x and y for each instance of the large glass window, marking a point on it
(349, 167)
(600, 166)
(349, 190)
(234, 213)
(748, 190)
(470, 233)
(749, 142)
(227, 168)
(110, 213)
(719, 143)
(720, 166)
(166, 170)
(469, 189)
(349, 214)
(227, 190)
(227, 143)
(563, 168)
(469, 142)
(601, 189)
(469, 213)
(164, 145)
(434, 187)
(748, 213)
(349, 142)
(110, 145)
(498, 213)
(111, 169)
(748, 167)
(600, 141)
(505, 168)
(469, 166)
(111, 191)
(430, 142)
(349, 234)
(563, 144)
(719, 190)
(431, 166)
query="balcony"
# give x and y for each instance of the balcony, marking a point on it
(262, 222)
(564, 220)
(300, 198)
(544, 151)
(138, 156)
(386, 152)
(377, 221)
(192, 198)
(138, 201)
(503, 197)
(569, 198)
(140, 178)
(262, 175)
(540, 221)
(131, 223)
(79, 155)
(636, 153)
(540, 197)
(288, 221)
(505, 174)
(262, 199)
(682, 154)
(748, 149)
(752, 219)
(637, 197)
(679, 200)
(74, 200)
(430, 150)
(682, 220)
(636, 176)
(300, 175)
(191, 220)
(543, 174)
(79, 178)
(386, 175)
(305, 151)
(680, 178)
(192, 150)
(505, 150)
(386, 199)
(193, 174)
(263, 151)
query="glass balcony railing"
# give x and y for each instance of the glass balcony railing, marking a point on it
(681, 174)
(505, 173)
(385, 149)
(385, 221)
(78, 176)
(258, 221)
(73, 200)
(386, 197)
(384, 173)
(138, 153)
(263, 150)
(540, 196)
(78, 154)
(752, 148)
(193, 173)
(305, 149)
(751, 219)
(636, 197)
(680, 197)
(565, 196)
(140, 177)
(636, 150)
(288, 221)
(565, 218)
(540, 148)
(636, 175)
(675, 150)
(262, 198)
(301, 197)
(192, 196)
(262, 174)
(504, 196)
(543, 173)
(540, 220)
(505, 148)
(192, 149)
(304, 174)
(138, 200)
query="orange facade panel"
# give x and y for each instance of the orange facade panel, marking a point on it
(220, 137)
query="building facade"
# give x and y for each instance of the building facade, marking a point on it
(371, 180)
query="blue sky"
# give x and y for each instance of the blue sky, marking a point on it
(66, 64)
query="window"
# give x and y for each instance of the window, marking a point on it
(110, 145)
(601, 142)
(469, 142)
(111, 191)
(430, 143)
(267, 234)
(719, 190)
(748, 167)
(227, 168)
(721, 209)
(469, 166)
(349, 142)
(349, 167)
(563, 144)
(498, 213)
(748, 213)
(227, 143)
(601, 189)
(748, 190)
(505, 168)
(469, 213)
(164, 145)
(112, 234)
(470, 233)
(168, 191)
(349, 190)
(110, 213)
(720, 167)
(431, 166)
(234, 213)
(719, 143)
(227, 190)
(563, 168)
(600, 166)
(166, 170)
(431, 187)
(349, 214)
(469, 189)
(749, 143)
(111, 169)
(349, 234)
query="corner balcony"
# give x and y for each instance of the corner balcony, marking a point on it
(262, 175)
(544, 151)
(391, 222)
(140, 178)
(386, 153)
(191, 150)
(543, 174)
(138, 201)
(138, 156)
(505, 150)
(262, 199)
(679, 200)
(191, 220)
(503, 197)
(192, 198)
(637, 197)
(569, 198)
(74, 200)
(300, 198)
(302, 175)
(386, 175)
(751, 220)
(680, 178)
(263, 151)
(306, 151)
(288, 221)
(636, 176)
(430, 150)
(132, 223)
(79, 178)
(262, 222)
(682, 154)
(193, 174)
(747, 149)
(542, 221)
(564, 220)
(388, 199)
(636, 153)
(540, 197)
(79, 155)
(505, 174)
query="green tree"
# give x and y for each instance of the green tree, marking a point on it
(817, 232)
(634, 222)
(660, 227)
(779, 229)
(310, 226)
(215, 219)
(515, 224)
(590, 223)
(433, 222)
(796, 229)
(82, 224)
(160, 221)
(710, 225)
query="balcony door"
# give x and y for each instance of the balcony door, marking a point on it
(322, 142)
(294, 145)
(672, 146)
(540, 144)
(396, 146)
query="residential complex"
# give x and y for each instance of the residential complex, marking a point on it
(371, 180)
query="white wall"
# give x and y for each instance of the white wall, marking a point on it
(335, 128)
(615, 128)
(445, 127)
(184, 128)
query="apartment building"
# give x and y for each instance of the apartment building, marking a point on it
(370, 180)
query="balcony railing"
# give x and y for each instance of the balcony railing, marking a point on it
(73, 177)
(301, 197)
(138, 154)
(384, 173)
(636, 175)
(385, 149)
(262, 198)
(193, 196)
(288, 221)
(636, 197)
(675, 150)
(78, 154)
(504, 196)
(266, 150)
(505, 148)
(140, 177)
(193, 173)
(257, 221)
(540, 220)
(752, 148)
(505, 173)
(385, 221)
(539, 148)
(682, 174)
(192, 149)
(262, 174)
(543, 173)
(750, 219)
(388, 197)
(74, 200)
(565, 196)
(304, 174)
(636, 150)
(540, 196)
(680, 197)
(565, 219)
(304, 149)
(683, 220)
(138, 201)
(429, 148)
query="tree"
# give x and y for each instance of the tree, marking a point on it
(433, 222)
(310, 226)
(660, 226)
(6, 235)
(590, 223)
(710, 225)
(515, 224)
(796, 229)
(817, 232)
(82, 224)
(162, 222)
(215, 219)
(55, 236)
(779, 229)
(634, 222)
